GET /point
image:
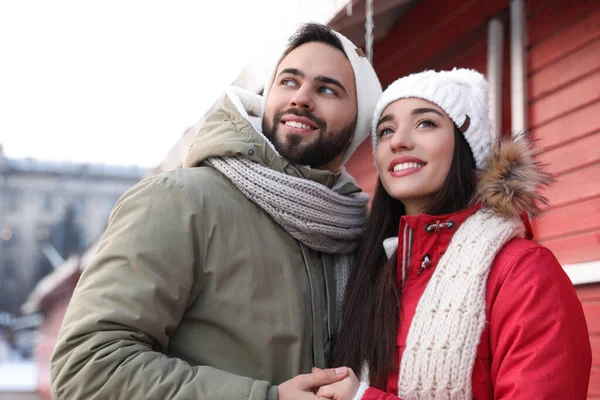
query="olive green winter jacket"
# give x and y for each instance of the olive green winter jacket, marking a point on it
(195, 292)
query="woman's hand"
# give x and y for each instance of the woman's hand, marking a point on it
(343, 390)
(304, 386)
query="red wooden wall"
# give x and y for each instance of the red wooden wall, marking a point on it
(564, 92)
(564, 110)
(590, 298)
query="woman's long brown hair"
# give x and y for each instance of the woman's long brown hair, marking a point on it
(371, 309)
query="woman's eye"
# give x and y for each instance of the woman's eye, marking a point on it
(288, 82)
(385, 131)
(426, 124)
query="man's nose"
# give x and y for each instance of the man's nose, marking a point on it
(302, 98)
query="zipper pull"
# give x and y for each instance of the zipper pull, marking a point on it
(425, 264)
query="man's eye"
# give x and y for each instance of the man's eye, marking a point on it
(326, 90)
(288, 82)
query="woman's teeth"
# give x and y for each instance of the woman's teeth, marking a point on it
(409, 165)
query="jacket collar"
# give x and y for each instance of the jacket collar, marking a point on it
(443, 226)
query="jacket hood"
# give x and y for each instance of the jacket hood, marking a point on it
(511, 184)
(234, 129)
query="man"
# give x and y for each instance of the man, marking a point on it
(218, 280)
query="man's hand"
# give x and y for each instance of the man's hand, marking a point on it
(344, 389)
(303, 387)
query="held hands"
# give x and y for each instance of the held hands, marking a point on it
(344, 389)
(303, 387)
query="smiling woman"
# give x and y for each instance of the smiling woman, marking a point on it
(423, 130)
(461, 301)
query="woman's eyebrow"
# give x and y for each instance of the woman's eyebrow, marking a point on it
(386, 118)
(418, 111)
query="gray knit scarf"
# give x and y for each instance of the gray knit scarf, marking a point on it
(318, 217)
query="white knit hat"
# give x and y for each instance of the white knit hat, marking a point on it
(368, 91)
(461, 93)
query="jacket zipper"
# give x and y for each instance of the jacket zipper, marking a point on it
(407, 238)
(331, 307)
(318, 346)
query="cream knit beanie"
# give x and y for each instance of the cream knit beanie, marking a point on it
(368, 91)
(461, 93)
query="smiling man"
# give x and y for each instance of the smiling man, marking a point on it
(223, 280)
(311, 109)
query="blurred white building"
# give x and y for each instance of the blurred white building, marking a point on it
(34, 198)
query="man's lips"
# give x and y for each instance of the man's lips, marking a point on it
(406, 165)
(298, 124)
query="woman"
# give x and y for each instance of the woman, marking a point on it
(467, 305)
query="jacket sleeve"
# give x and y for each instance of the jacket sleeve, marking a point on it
(538, 335)
(129, 301)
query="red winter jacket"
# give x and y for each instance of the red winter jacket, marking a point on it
(535, 344)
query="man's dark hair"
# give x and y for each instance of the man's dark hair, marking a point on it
(313, 32)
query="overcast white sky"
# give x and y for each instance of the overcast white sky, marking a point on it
(118, 81)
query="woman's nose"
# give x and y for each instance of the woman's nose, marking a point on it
(401, 139)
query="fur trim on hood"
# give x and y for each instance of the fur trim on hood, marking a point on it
(511, 183)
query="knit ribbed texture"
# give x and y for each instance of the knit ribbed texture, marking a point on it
(320, 218)
(460, 93)
(445, 331)
(449, 320)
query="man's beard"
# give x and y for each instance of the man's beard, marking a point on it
(325, 148)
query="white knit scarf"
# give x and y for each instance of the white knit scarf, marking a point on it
(317, 216)
(449, 320)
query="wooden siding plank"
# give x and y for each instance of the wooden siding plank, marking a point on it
(569, 69)
(584, 31)
(548, 17)
(579, 123)
(572, 97)
(575, 248)
(594, 388)
(401, 51)
(570, 156)
(474, 57)
(570, 219)
(391, 49)
(595, 342)
(592, 316)
(588, 293)
(574, 186)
